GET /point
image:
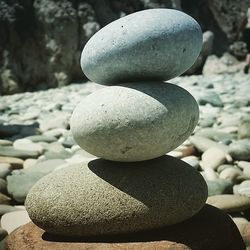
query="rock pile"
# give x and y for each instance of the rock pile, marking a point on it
(134, 187)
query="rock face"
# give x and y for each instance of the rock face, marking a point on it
(134, 121)
(42, 40)
(107, 197)
(196, 233)
(166, 41)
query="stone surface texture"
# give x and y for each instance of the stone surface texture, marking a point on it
(105, 197)
(196, 233)
(166, 41)
(134, 121)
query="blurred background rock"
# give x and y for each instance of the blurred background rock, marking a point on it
(41, 40)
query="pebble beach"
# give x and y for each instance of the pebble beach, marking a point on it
(35, 140)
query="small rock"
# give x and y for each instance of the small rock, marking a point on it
(14, 162)
(210, 97)
(215, 135)
(42, 138)
(60, 120)
(219, 186)
(240, 150)
(7, 208)
(202, 143)
(223, 166)
(29, 163)
(213, 158)
(244, 130)
(55, 150)
(28, 145)
(23, 154)
(4, 199)
(5, 170)
(232, 174)
(229, 202)
(191, 160)
(244, 188)
(5, 142)
(13, 220)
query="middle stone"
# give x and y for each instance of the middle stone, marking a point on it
(134, 121)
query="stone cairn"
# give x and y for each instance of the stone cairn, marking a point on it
(134, 186)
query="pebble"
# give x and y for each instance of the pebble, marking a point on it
(232, 174)
(15, 163)
(7, 208)
(135, 126)
(244, 188)
(244, 130)
(19, 153)
(13, 220)
(213, 158)
(219, 186)
(202, 143)
(215, 135)
(5, 170)
(42, 138)
(27, 144)
(229, 202)
(191, 160)
(240, 150)
(116, 52)
(5, 142)
(19, 184)
(54, 197)
(210, 97)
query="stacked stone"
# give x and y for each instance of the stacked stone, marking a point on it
(134, 186)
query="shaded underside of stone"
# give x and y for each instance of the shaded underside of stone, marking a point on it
(104, 197)
(210, 229)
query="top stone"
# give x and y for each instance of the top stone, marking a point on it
(154, 44)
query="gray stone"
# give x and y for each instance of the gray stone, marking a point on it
(244, 188)
(42, 138)
(7, 208)
(134, 121)
(213, 158)
(19, 153)
(191, 160)
(55, 150)
(214, 134)
(19, 184)
(155, 44)
(5, 169)
(3, 233)
(244, 129)
(202, 143)
(219, 186)
(210, 97)
(107, 197)
(240, 150)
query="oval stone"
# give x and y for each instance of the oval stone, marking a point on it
(134, 121)
(155, 44)
(105, 197)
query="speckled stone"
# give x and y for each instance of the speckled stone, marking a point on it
(155, 44)
(201, 232)
(105, 197)
(134, 121)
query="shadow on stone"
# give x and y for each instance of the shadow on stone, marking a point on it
(210, 229)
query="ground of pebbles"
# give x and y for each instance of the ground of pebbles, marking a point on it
(35, 140)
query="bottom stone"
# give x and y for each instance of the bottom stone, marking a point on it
(211, 229)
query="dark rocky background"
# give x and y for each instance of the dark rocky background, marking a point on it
(41, 40)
